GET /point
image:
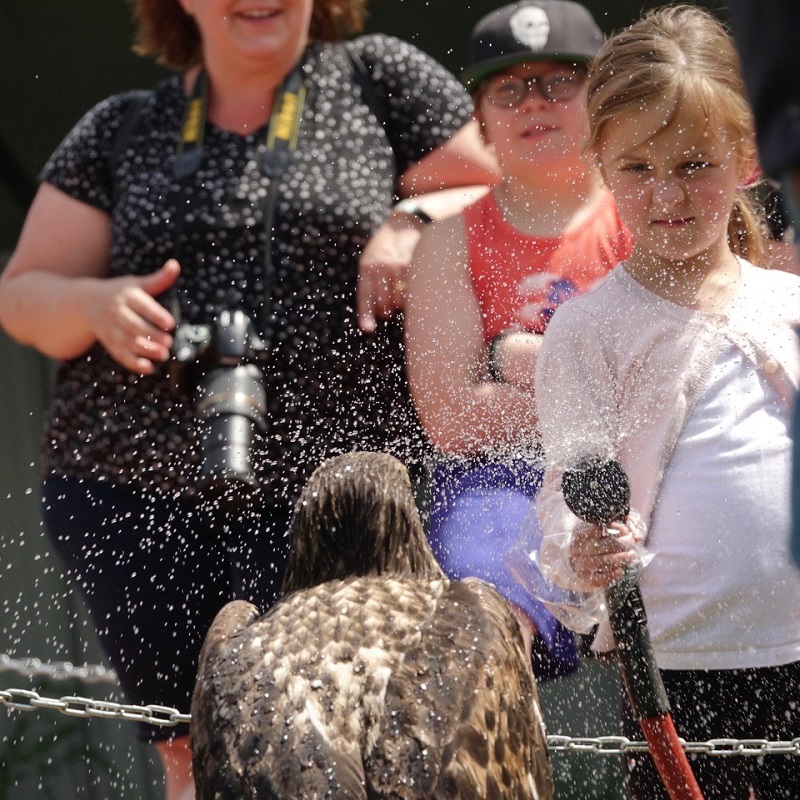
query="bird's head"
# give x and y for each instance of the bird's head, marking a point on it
(356, 516)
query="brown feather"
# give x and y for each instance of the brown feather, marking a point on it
(381, 683)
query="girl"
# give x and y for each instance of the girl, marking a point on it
(683, 366)
(488, 280)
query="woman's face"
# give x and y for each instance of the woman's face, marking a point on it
(243, 32)
(535, 131)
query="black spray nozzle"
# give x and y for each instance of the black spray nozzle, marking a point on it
(597, 490)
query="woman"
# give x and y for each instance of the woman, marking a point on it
(167, 212)
(485, 284)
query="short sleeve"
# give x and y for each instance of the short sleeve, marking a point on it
(423, 103)
(80, 165)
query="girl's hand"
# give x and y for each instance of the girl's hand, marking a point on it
(600, 555)
(129, 322)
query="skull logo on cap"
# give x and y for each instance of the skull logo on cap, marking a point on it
(530, 26)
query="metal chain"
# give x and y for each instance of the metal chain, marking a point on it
(164, 716)
(57, 670)
(615, 745)
(28, 700)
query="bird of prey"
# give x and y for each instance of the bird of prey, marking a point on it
(373, 676)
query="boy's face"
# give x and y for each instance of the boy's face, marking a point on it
(536, 130)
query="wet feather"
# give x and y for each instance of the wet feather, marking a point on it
(374, 676)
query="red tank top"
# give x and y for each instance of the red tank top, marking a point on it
(519, 280)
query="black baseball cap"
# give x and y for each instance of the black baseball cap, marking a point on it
(531, 30)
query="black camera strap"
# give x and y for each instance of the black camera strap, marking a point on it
(274, 156)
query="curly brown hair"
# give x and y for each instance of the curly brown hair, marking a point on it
(165, 31)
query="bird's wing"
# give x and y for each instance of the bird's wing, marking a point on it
(462, 711)
(208, 731)
(277, 704)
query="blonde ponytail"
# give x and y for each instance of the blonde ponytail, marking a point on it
(746, 234)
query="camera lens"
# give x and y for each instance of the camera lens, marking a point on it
(231, 410)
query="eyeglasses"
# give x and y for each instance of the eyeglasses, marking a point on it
(508, 91)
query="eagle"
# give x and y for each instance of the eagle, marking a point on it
(373, 676)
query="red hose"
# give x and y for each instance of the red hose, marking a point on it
(670, 758)
(598, 491)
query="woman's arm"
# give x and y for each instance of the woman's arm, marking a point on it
(461, 408)
(462, 160)
(385, 260)
(437, 146)
(55, 294)
(443, 183)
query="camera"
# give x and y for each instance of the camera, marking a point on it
(219, 364)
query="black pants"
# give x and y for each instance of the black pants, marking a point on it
(733, 704)
(154, 572)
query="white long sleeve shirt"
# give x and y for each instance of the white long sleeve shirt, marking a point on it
(620, 375)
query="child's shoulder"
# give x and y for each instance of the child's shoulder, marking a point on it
(605, 290)
(770, 278)
(769, 275)
(768, 294)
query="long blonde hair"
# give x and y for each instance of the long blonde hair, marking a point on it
(684, 56)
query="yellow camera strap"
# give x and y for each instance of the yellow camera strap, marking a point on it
(275, 154)
(274, 157)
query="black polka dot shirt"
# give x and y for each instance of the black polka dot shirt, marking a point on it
(329, 387)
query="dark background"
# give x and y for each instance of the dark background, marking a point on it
(59, 57)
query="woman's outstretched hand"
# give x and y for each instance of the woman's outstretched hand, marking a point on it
(129, 322)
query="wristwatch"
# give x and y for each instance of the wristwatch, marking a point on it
(412, 208)
(495, 371)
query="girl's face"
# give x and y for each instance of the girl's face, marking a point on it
(537, 131)
(241, 32)
(674, 186)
